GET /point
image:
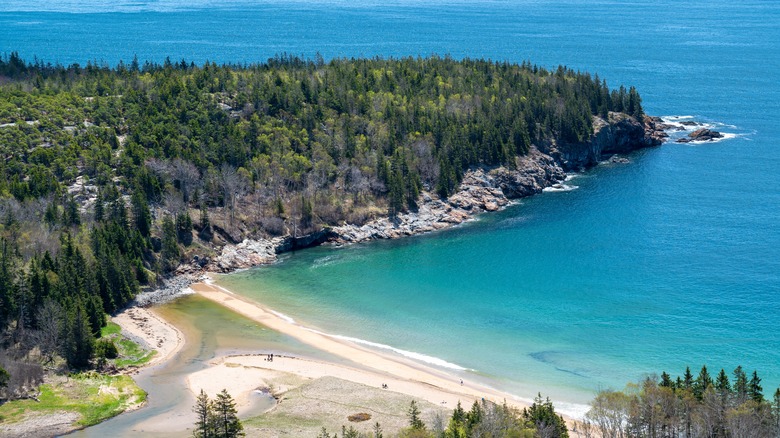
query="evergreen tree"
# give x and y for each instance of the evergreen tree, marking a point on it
(79, 341)
(378, 428)
(414, 417)
(184, 228)
(349, 433)
(755, 391)
(205, 224)
(776, 411)
(740, 385)
(227, 422)
(142, 217)
(666, 381)
(542, 416)
(703, 381)
(688, 379)
(170, 247)
(473, 417)
(203, 425)
(5, 377)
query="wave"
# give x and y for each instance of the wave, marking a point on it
(560, 188)
(410, 354)
(576, 411)
(683, 127)
(726, 136)
(325, 261)
(283, 316)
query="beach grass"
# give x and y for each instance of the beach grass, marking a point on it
(93, 396)
(130, 353)
(329, 402)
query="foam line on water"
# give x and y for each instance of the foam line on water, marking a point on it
(410, 354)
(560, 188)
(283, 316)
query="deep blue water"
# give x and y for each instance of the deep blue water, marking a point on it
(668, 261)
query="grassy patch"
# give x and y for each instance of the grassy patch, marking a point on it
(130, 353)
(110, 329)
(93, 396)
(283, 421)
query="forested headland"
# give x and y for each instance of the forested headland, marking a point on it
(112, 176)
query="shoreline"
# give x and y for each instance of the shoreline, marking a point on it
(371, 367)
(148, 328)
(481, 191)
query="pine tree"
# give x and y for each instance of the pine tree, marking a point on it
(227, 422)
(378, 428)
(205, 224)
(142, 217)
(755, 391)
(184, 228)
(79, 343)
(5, 377)
(740, 385)
(414, 417)
(170, 247)
(349, 433)
(688, 379)
(775, 411)
(542, 416)
(666, 380)
(722, 385)
(703, 381)
(203, 426)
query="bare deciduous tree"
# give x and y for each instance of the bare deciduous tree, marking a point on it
(233, 185)
(48, 336)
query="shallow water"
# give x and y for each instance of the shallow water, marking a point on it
(670, 260)
(210, 331)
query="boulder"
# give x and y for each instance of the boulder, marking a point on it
(701, 135)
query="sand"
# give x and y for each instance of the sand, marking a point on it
(309, 392)
(146, 327)
(242, 374)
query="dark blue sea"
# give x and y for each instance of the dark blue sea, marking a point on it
(671, 260)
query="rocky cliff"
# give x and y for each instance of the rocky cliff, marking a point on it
(618, 135)
(482, 189)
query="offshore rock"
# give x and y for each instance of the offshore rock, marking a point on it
(701, 135)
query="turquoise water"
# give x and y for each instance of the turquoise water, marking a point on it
(670, 260)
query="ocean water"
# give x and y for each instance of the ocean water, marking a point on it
(671, 260)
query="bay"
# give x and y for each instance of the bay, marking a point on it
(669, 261)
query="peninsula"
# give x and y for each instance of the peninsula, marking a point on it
(116, 179)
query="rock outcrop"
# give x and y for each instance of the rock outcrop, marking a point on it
(482, 189)
(619, 134)
(246, 254)
(703, 134)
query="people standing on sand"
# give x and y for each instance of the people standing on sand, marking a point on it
(461, 382)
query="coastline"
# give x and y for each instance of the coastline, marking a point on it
(145, 326)
(372, 368)
(481, 190)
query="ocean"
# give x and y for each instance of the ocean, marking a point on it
(668, 261)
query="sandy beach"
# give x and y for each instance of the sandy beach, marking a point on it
(148, 328)
(322, 392)
(372, 368)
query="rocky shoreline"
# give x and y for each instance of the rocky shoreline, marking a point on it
(482, 189)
